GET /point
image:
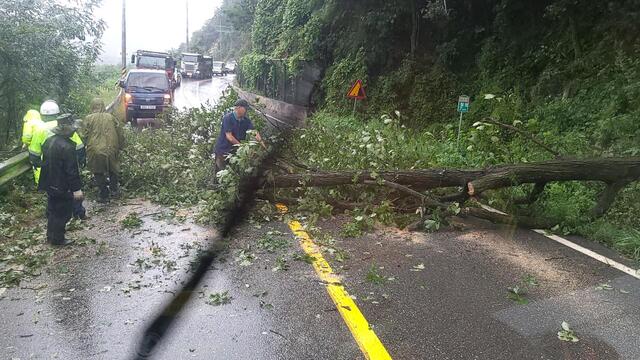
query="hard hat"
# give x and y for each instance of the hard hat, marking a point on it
(49, 107)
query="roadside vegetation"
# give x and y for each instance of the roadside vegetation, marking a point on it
(48, 50)
(563, 72)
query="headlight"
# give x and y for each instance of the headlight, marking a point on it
(167, 99)
(128, 98)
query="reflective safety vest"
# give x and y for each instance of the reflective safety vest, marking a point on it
(31, 122)
(40, 135)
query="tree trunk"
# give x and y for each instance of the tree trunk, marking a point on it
(478, 180)
(415, 23)
(606, 170)
(418, 179)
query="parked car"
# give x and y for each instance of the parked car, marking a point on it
(147, 93)
(219, 68)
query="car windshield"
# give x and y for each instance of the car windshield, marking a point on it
(148, 81)
(152, 62)
(189, 58)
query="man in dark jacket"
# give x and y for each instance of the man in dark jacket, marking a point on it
(234, 129)
(60, 178)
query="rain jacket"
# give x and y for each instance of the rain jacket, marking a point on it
(60, 174)
(104, 138)
(40, 135)
(31, 122)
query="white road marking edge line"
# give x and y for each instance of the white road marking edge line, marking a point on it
(590, 253)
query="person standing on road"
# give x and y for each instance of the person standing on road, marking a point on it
(49, 110)
(60, 179)
(235, 125)
(104, 138)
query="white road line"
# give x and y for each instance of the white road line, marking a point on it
(590, 253)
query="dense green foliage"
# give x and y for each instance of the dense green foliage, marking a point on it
(181, 151)
(566, 71)
(47, 50)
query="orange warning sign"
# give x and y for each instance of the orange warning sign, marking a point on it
(357, 91)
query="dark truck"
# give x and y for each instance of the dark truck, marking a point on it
(144, 59)
(219, 68)
(147, 93)
(196, 66)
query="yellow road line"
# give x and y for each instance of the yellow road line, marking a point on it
(365, 337)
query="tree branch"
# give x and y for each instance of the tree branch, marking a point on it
(523, 133)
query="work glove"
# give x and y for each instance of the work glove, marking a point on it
(78, 195)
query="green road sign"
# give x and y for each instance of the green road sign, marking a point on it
(463, 104)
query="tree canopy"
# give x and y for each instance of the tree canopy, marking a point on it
(45, 46)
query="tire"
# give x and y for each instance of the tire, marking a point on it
(131, 119)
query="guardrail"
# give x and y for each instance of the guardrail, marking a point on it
(19, 164)
(14, 167)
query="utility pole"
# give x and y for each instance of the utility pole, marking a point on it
(124, 35)
(187, 25)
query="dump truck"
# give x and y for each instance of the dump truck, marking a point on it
(144, 59)
(196, 66)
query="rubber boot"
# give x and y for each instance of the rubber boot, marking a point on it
(103, 189)
(114, 187)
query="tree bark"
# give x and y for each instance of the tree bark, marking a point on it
(418, 179)
(607, 170)
(476, 181)
(415, 23)
(607, 197)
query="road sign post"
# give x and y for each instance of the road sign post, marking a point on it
(463, 107)
(356, 93)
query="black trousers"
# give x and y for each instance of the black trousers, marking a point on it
(106, 184)
(59, 212)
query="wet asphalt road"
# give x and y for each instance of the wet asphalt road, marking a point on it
(193, 93)
(441, 296)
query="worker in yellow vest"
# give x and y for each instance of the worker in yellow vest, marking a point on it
(49, 112)
(31, 121)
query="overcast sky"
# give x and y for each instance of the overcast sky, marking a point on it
(151, 24)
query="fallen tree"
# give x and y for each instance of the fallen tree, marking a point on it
(615, 173)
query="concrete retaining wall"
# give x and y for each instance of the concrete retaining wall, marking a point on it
(292, 114)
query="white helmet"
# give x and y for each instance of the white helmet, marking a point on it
(49, 107)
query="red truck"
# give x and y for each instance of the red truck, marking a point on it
(144, 59)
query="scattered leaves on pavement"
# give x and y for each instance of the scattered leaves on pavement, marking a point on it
(131, 221)
(374, 276)
(219, 298)
(518, 294)
(567, 334)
